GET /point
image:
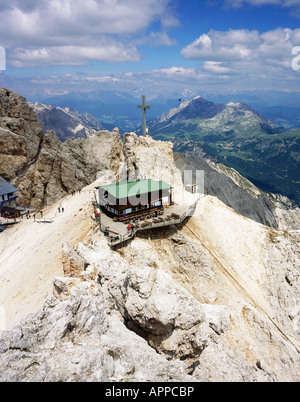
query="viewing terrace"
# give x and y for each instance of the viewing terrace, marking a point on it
(118, 232)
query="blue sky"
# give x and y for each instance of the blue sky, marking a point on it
(152, 46)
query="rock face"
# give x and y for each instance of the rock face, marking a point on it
(20, 134)
(42, 167)
(146, 157)
(232, 189)
(224, 259)
(110, 328)
(66, 122)
(63, 167)
(83, 345)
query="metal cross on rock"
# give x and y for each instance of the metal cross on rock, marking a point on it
(144, 107)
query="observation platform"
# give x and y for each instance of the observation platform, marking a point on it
(117, 232)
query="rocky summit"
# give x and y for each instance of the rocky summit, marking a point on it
(213, 299)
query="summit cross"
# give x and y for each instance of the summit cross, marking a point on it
(144, 107)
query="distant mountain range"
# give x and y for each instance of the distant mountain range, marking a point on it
(66, 122)
(112, 108)
(237, 136)
(233, 134)
(200, 118)
(118, 107)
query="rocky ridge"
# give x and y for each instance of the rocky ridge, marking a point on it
(66, 122)
(118, 322)
(21, 135)
(232, 189)
(224, 259)
(208, 116)
(64, 167)
(194, 305)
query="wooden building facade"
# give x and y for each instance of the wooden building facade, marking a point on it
(8, 198)
(128, 198)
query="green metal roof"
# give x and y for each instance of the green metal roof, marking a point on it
(126, 189)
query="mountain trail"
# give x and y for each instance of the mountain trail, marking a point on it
(30, 253)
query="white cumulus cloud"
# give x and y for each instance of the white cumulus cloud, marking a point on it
(49, 32)
(244, 45)
(254, 58)
(293, 5)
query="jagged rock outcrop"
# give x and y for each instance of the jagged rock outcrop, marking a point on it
(223, 258)
(20, 134)
(64, 167)
(146, 157)
(42, 167)
(111, 330)
(76, 341)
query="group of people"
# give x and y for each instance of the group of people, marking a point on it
(7, 215)
(11, 215)
(130, 228)
(61, 210)
(73, 192)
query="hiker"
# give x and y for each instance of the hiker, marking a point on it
(63, 210)
(128, 228)
(59, 210)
